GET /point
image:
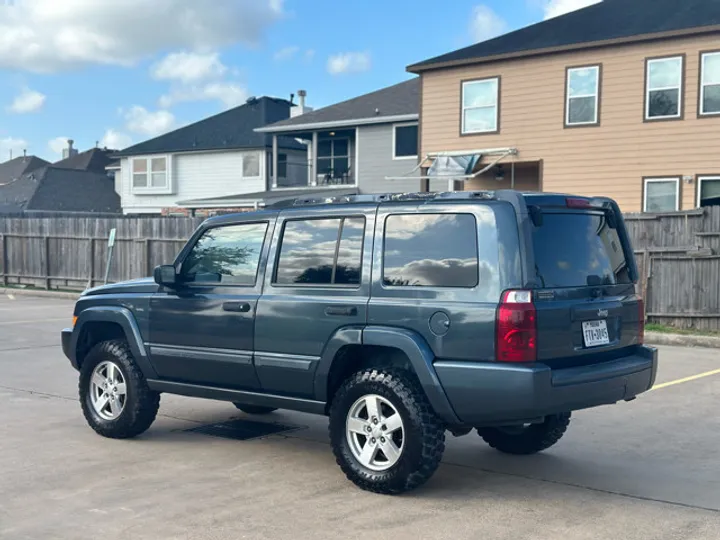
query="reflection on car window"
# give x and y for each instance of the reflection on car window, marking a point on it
(321, 252)
(227, 255)
(578, 250)
(431, 250)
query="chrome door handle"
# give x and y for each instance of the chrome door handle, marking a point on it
(236, 307)
(342, 311)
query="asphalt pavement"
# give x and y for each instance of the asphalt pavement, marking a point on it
(649, 469)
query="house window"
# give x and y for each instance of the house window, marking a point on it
(663, 95)
(333, 157)
(708, 191)
(710, 84)
(282, 165)
(405, 141)
(583, 96)
(661, 195)
(251, 165)
(480, 106)
(150, 172)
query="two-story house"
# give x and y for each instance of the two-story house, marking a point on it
(621, 99)
(216, 158)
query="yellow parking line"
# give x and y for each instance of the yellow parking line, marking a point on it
(687, 379)
(34, 321)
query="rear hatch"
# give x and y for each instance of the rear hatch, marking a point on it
(585, 300)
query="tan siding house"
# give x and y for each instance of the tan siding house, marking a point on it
(613, 149)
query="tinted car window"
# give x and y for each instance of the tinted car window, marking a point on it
(431, 250)
(317, 252)
(576, 250)
(226, 255)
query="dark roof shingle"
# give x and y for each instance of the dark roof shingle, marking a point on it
(15, 168)
(608, 20)
(95, 160)
(397, 100)
(232, 129)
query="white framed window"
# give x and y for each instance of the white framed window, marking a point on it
(664, 88)
(710, 83)
(151, 174)
(708, 191)
(251, 165)
(480, 105)
(661, 195)
(583, 96)
(405, 141)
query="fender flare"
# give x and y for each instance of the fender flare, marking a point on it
(125, 319)
(413, 345)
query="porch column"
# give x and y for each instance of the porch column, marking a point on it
(274, 161)
(313, 165)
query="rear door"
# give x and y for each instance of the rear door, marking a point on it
(587, 309)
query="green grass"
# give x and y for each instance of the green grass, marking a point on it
(654, 327)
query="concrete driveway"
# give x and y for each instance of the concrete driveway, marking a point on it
(646, 469)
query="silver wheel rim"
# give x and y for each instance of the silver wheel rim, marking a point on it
(375, 432)
(108, 391)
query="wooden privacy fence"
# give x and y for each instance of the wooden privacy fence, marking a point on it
(71, 252)
(678, 256)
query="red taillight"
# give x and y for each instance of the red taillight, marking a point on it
(641, 321)
(516, 329)
(572, 202)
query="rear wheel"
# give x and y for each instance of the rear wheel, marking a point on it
(254, 409)
(527, 439)
(114, 394)
(384, 434)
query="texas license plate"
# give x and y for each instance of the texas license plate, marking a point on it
(595, 333)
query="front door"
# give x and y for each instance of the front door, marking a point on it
(202, 331)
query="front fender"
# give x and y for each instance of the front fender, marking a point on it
(125, 319)
(421, 357)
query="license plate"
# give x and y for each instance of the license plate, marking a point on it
(595, 333)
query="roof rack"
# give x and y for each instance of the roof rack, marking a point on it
(386, 197)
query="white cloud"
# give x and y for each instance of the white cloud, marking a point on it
(115, 140)
(57, 144)
(349, 62)
(188, 67)
(553, 8)
(139, 120)
(55, 35)
(9, 144)
(486, 24)
(286, 53)
(228, 93)
(309, 55)
(27, 101)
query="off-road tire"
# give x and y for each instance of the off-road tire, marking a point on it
(530, 439)
(254, 409)
(141, 405)
(424, 432)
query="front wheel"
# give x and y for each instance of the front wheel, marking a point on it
(115, 398)
(384, 434)
(527, 439)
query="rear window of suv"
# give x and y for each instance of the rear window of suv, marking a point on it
(578, 250)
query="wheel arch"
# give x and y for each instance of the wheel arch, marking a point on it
(351, 349)
(102, 323)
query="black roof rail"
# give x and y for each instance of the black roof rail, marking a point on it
(386, 197)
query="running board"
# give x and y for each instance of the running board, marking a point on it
(240, 396)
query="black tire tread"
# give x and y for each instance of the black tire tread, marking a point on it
(534, 439)
(145, 406)
(406, 389)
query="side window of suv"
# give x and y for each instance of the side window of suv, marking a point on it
(227, 255)
(321, 252)
(431, 250)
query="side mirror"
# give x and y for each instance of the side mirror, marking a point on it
(165, 275)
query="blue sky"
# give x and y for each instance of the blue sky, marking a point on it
(122, 71)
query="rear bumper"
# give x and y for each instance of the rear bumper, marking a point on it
(496, 394)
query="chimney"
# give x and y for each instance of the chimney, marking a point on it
(300, 108)
(24, 155)
(69, 151)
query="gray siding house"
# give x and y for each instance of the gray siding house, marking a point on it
(357, 144)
